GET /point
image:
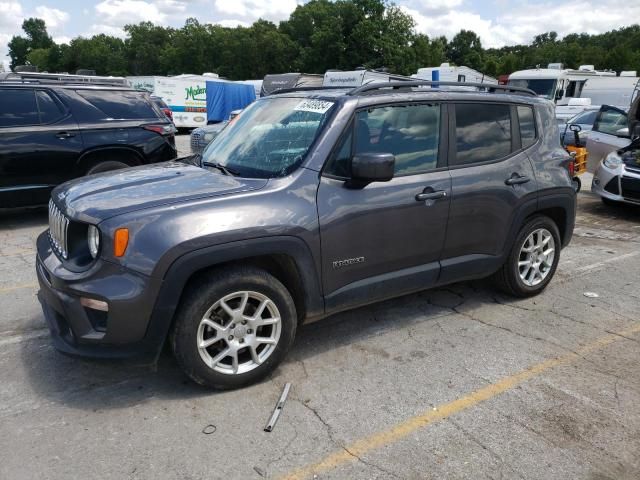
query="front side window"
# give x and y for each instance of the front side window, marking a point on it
(483, 132)
(18, 107)
(270, 138)
(410, 132)
(584, 118)
(610, 121)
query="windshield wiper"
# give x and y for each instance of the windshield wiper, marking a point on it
(222, 168)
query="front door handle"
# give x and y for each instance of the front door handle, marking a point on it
(65, 135)
(516, 179)
(421, 197)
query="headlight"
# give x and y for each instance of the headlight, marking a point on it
(93, 239)
(612, 161)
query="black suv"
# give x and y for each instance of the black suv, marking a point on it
(310, 203)
(50, 133)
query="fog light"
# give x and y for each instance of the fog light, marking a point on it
(94, 304)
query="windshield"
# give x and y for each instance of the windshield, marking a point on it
(584, 118)
(270, 138)
(544, 87)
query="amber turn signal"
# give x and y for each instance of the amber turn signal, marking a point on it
(120, 241)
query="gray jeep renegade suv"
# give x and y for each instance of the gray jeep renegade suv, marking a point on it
(312, 202)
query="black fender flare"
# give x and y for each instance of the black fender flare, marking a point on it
(184, 267)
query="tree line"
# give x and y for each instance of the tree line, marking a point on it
(318, 36)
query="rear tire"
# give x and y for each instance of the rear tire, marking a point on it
(577, 184)
(106, 166)
(233, 327)
(533, 259)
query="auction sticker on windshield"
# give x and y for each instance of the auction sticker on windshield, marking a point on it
(317, 106)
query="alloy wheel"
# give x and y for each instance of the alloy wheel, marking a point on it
(536, 257)
(239, 332)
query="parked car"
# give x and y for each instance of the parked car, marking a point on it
(51, 133)
(203, 136)
(162, 105)
(310, 203)
(609, 133)
(584, 120)
(617, 178)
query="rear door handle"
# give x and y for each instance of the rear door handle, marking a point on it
(421, 197)
(64, 135)
(516, 179)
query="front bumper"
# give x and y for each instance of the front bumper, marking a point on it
(124, 331)
(621, 184)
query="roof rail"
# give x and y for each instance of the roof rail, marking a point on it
(490, 87)
(54, 78)
(307, 89)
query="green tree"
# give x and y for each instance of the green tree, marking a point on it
(465, 49)
(37, 38)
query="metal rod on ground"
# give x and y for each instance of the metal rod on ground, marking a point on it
(278, 409)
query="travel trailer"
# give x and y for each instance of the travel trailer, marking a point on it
(357, 78)
(449, 73)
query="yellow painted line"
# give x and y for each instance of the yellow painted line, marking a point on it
(405, 428)
(18, 287)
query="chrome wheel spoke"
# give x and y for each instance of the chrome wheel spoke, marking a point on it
(254, 355)
(228, 310)
(267, 340)
(208, 342)
(234, 361)
(210, 323)
(220, 356)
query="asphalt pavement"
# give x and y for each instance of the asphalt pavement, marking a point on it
(459, 382)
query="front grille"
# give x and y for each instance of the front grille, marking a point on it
(612, 186)
(632, 169)
(58, 227)
(630, 188)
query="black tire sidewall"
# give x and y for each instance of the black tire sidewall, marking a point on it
(199, 299)
(516, 282)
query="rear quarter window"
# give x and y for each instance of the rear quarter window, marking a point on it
(120, 104)
(527, 122)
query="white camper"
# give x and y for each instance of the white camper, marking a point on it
(357, 78)
(185, 95)
(448, 73)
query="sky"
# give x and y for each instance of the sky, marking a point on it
(497, 22)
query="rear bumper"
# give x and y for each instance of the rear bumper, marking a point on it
(124, 331)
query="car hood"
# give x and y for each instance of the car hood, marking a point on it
(98, 197)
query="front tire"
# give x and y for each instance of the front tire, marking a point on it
(533, 259)
(233, 327)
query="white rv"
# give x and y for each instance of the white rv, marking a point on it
(185, 95)
(448, 73)
(563, 85)
(357, 78)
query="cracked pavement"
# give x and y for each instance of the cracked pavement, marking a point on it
(353, 375)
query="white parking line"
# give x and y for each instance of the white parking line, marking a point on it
(624, 256)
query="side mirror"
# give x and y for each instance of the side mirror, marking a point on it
(559, 94)
(372, 167)
(574, 127)
(623, 132)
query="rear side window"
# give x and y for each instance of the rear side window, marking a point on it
(120, 105)
(18, 107)
(50, 111)
(527, 126)
(483, 132)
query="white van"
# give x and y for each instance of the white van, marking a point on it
(448, 73)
